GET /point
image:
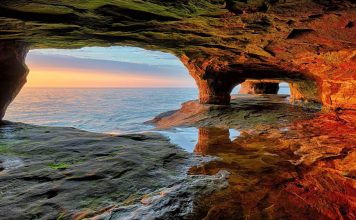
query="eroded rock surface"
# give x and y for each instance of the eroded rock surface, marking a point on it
(307, 43)
(65, 173)
(288, 162)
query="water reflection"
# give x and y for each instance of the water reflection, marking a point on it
(266, 183)
(269, 176)
(189, 138)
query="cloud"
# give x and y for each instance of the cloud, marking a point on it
(60, 67)
(121, 54)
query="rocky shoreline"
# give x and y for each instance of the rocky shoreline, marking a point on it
(287, 161)
(244, 111)
(53, 173)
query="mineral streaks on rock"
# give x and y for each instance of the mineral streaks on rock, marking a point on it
(13, 72)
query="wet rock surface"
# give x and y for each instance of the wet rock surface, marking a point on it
(284, 162)
(174, 202)
(65, 173)
(245, 111)
(298, 165)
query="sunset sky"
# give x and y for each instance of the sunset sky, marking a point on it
(105, 67)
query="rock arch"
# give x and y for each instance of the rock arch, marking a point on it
(223, 43)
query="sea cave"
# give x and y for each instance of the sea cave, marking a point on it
(267, 132)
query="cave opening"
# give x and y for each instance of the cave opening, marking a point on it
(284, 88)
(263, 87)
(101, 89)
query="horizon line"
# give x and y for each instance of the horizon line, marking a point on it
(103, 87)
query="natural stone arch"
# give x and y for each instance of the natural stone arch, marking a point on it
(216, 79)
(301, 90)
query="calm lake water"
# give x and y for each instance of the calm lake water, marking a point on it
(108, 110)
(121, 110)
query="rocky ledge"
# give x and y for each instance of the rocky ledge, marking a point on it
(244, 111)
(65, 173)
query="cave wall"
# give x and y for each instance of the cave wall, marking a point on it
(13, 72)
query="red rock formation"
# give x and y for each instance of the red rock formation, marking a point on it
(259, 87)
(315, 53)
(215, 82)
(13, 72)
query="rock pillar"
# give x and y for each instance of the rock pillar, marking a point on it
(211, 93)
(213, 80)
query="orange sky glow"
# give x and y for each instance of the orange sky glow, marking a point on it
(73, 71)
(42, 77)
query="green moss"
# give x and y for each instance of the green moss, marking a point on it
(188, 15)
(8, 149)
(60, 216)
(4, 149)
(59, 166)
